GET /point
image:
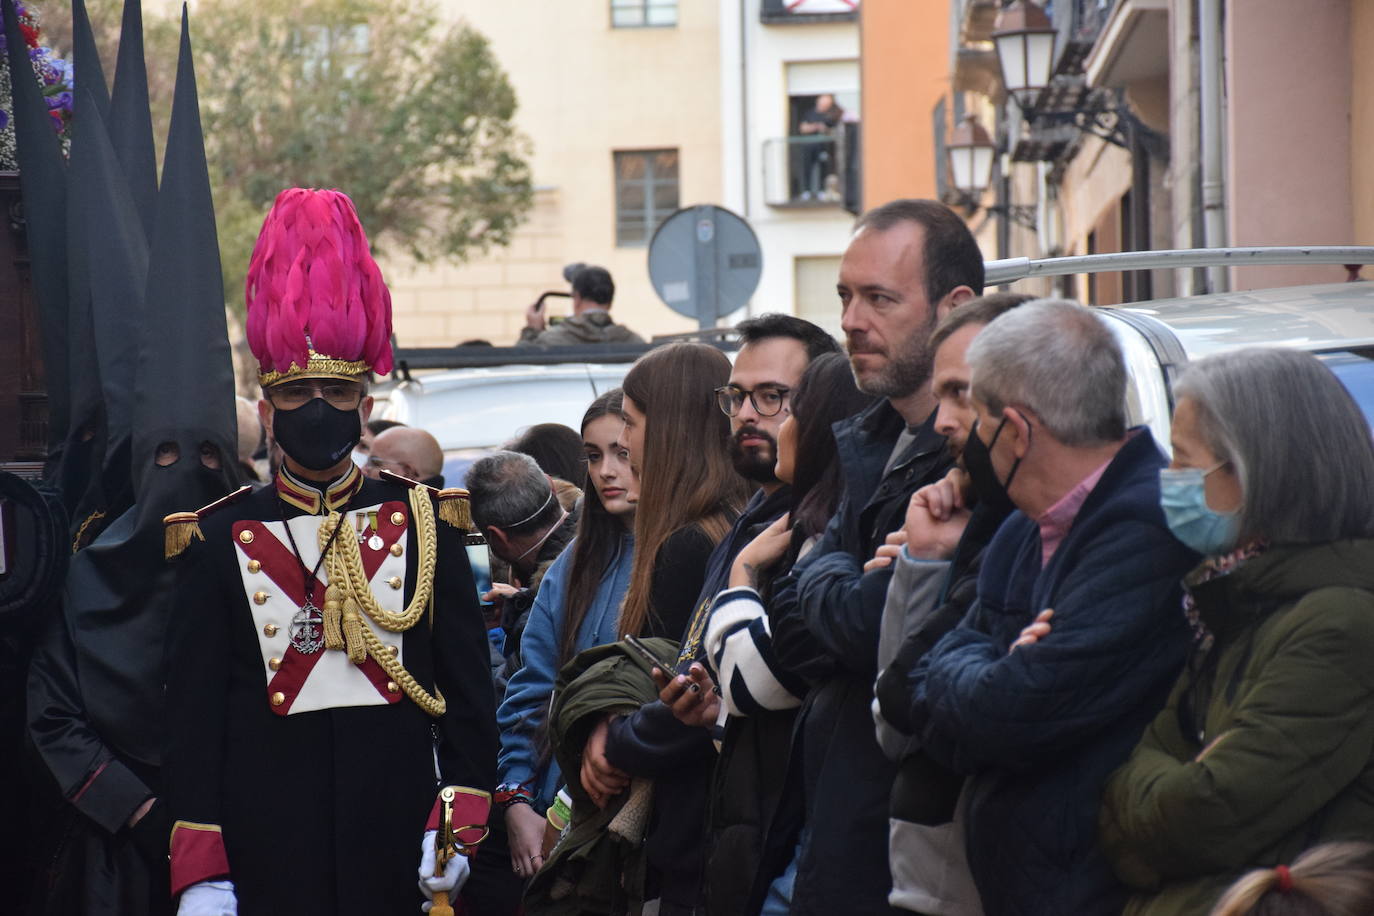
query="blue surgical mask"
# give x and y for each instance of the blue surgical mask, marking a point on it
(1183, 497)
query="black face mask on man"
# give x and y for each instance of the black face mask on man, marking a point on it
(978, 462)
(317, 434)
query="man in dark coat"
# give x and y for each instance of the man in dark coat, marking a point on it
(934, 581)
(1077, 632)
(331, 654)
(909, 264)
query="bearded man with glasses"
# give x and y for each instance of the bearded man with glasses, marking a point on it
(331, 674)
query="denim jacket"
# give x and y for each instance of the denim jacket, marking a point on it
(525, 708)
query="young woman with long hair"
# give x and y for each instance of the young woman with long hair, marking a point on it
(577, 607)
(689, 491)
(690, 495)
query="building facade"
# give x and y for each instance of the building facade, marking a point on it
(620, 102)
(1172, 124)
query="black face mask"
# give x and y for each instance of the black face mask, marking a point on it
(318, 435)
(978, 462)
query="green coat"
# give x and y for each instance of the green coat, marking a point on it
(591, 872)
(1266, 747)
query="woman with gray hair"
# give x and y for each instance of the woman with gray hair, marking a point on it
(1266, 746)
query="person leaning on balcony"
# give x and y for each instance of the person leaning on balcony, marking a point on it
(590, 323)
(1266, 746)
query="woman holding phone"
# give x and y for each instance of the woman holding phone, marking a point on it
(678, 440)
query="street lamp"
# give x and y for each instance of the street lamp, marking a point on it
(971, 152)
(1024, 38)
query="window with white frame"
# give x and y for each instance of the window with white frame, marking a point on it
(635, 14)
(646, 193)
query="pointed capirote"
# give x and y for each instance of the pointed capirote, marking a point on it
(118, 267)
(130, 124)
(186, 376)
(83, 452)
(43, 182)
(89, 74)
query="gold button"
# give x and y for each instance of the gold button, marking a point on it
(278, 698)
(391, 687)
(397, 550)
(394, 650)
(398, 518)
(260, 597)
(246, 537)
(269, 630)
(395, 582)
(274, 664)
(254, 566)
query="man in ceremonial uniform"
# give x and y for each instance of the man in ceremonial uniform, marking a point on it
(331, 668)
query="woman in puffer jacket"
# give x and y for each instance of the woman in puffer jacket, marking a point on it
(1266, 746)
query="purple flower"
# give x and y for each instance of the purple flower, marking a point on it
(4, 119)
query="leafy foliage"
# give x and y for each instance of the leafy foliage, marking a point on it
(411, 117)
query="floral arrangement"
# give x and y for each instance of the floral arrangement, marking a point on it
(54, 76)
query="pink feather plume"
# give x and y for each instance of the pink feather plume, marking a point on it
(312, 282)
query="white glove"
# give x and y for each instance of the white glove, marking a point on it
(455, 872)
(209, 898)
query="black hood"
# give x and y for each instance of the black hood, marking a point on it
(119, 593)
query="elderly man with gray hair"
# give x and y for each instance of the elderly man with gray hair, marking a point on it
(1077, 631)
(516, 508)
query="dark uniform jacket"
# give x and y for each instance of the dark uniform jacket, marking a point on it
(303, 778)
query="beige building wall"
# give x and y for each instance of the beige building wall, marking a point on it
(585, 89)
(1288, 80)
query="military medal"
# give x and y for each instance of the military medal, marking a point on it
(307, 626)
(367, 521)
(307, 629)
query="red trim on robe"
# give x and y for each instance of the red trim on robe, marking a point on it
(89, 779)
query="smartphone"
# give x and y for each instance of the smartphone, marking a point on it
(647, 654)
(479, 558)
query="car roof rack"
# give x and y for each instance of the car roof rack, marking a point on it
(1009, 270)
(411, 359)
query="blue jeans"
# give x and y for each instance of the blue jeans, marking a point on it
(778, 902)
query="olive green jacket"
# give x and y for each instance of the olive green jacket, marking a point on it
(1266, 747)
(593, 871)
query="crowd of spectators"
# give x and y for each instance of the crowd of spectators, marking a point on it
(923, 625)
(916, 622)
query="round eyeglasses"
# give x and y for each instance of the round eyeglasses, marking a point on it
(768, 400)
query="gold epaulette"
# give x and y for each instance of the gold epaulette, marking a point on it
(454, 505)
(181, 527)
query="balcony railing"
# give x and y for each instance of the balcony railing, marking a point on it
(1078, 22)
(813, 171)
(774, 12)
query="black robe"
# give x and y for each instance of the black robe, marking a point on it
(316, 783)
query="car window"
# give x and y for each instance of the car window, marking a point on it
(1147, 393)
(1355, 369)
